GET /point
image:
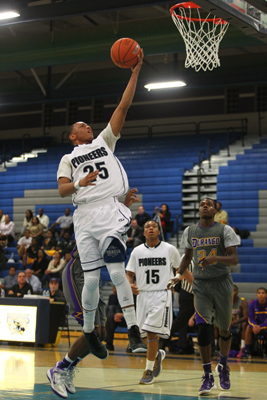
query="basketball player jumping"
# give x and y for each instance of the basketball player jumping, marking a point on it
(213, 246)
(153, 264)
(95, 178)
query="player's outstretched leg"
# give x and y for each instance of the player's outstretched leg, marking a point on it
(57, 376)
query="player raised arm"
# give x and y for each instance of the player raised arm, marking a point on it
(119, 115)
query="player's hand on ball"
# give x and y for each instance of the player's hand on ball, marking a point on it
(89, 179)
(138, 66)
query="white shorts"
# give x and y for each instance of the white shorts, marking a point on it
(93, 224)
(154, 312)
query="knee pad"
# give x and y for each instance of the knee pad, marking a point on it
(204, 334)
(115, 252)
(117, 277)
(91, 283)
(226, 338)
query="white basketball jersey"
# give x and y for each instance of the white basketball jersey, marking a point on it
(153, 266)
(112, 180)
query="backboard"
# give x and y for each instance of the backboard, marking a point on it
(250, 16)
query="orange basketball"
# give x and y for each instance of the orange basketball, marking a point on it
(124, 52)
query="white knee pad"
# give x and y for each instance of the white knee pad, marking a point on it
(118, 277)
(90, 292)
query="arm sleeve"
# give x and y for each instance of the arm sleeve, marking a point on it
(64, 168)
(109, 137)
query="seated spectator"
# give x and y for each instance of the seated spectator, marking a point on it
(142, 217)
(40, 264)
(65, 223)
(53, 269)
(67, 258)
(221, 215)
(43, 219)
(23, 244)
(239, 320)
(7, 231)
(2, 258)
(22, 287)
(165, 218)
(55, 293)
(50, 243)
(27, 222)
(65, 243)
(115, 318)
(2, 216)
(257, 321)
(9, 280)
(36, 230)
(34, 281)
(135, 235)
(31, 252)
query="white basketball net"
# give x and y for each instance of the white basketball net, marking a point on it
(202, 37)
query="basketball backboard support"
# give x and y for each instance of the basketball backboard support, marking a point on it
(250, 16)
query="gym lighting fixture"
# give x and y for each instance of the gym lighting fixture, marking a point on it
(164, 85)
(9, 14)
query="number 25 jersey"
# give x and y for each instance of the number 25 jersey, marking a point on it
(112, 180)
(153, 266)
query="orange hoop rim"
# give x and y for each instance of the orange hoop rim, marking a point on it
(191, 4)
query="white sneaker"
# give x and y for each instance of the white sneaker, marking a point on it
(70, 374)
(57, 377)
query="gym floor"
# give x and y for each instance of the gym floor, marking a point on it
(23, 375)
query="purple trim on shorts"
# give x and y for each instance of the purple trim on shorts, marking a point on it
(199, 319)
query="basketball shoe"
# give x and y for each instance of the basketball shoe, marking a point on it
(135, 341)
(207, 385)
(158, 363)
(68, 379)
(56, 377)
(96, 347)
(147, 378)
(224, 376)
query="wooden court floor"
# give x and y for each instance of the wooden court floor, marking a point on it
(23, 376)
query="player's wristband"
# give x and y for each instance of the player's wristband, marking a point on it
(178, 276)
(76, 185)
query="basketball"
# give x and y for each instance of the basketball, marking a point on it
(124, 52)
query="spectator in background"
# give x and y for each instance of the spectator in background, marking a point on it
(50, 243)
(53, 269)
(34, 281)
(165, 218)
(142, 217)
(115, 318)
(239, 319)
(9, 280)
(43, 219)
(27, 222)
(2, 216)
(2, 258)
(7, 231)
(257, 320)
(31, 252)
(22, 287)
(67, 258)
(40, 264)
(36, 230)
(65, 243)
(55, 293)
(221, 215)
(23, 244)
(65, 223)
(135, 235)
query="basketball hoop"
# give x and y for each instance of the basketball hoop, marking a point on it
(202, 35)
